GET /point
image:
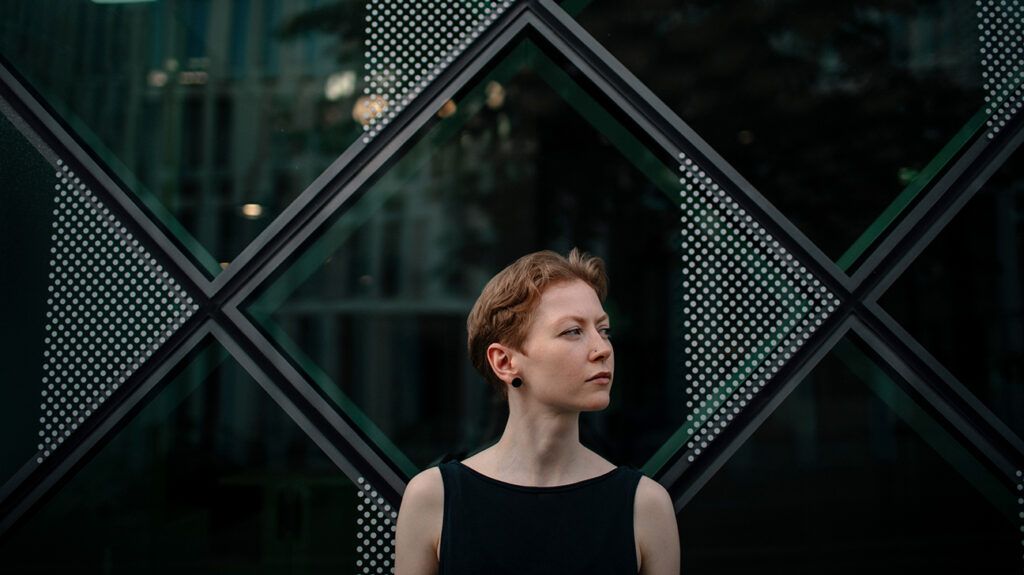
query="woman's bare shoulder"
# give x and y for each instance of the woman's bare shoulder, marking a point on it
(426, 485)
(657, 534)
(651, 495)
(418, 529)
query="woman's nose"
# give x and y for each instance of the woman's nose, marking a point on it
(602, 347)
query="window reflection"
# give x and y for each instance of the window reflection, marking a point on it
(199, 107)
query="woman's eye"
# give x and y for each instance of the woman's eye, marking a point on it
(607, 331)
(574, 331)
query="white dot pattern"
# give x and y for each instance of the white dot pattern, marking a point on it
(748, 305)
(1020, 503)
(408, 43)
(1002, 57)
(109, 307)
(376, 520)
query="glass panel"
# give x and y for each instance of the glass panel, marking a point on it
(27, 181)
(834, 111)
(961, 298)
(850, 475)
(375, 310)
(216, 114)
(210, 477)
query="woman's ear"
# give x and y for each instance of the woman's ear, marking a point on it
(500, 358)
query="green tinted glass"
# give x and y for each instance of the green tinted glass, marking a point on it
(210, 477)
(851, 475)
(27, 181)
(961, 298)
(215, 114)
(838, 113)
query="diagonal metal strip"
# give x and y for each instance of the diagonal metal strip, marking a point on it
(671, 134)
(330, 191)
(397, 30)
(750, 306)
(310, 412)
(946, 395)
(886, 341)
(971, 422)
(334, 194)
(36, 482)
(684, 479)
(44, 123)
(900, 246)
(97, 264)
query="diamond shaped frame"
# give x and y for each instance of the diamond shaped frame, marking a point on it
(897, 246)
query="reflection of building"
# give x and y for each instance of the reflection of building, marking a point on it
(940, 38)
(203, 106)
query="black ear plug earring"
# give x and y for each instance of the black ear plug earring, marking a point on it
(517, 382)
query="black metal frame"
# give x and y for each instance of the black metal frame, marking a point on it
(221, 299)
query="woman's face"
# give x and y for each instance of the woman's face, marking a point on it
(567, 345)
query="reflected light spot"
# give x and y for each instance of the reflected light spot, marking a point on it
(157, 78)
(906, 175)
(367, 108)
(340, 85)
(495, 95)
(447, 109)
(252, 211)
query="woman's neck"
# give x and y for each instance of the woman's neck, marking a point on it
(540, 449)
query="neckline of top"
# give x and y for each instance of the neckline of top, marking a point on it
(538, 488)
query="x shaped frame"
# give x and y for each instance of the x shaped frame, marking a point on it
(220, 316)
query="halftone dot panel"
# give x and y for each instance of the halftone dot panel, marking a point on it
(749, 305)
(109, 306)
(1020, 502)
(408, 44)
(1001, 23)
(376, 520)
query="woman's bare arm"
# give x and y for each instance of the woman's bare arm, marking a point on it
(654, 519)
(418, 529)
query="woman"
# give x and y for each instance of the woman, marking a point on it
(538, 501)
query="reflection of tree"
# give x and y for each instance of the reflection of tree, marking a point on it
(341, 22)
(818, 104)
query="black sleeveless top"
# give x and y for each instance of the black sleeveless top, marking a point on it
(495, 528)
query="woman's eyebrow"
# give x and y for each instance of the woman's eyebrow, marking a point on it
(580, 319)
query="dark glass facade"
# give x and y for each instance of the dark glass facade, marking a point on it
(719, 157)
